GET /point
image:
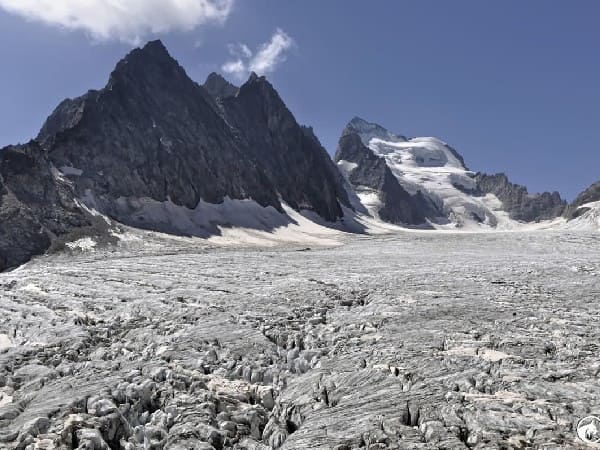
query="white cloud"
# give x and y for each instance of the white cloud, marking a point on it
(265, 60)
(235, 67)
(125, 20)
(240, 50)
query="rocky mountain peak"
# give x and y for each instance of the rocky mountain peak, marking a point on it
(156, 47)
(219, 87)
(153, 146)
(368, 130)
(258, 95)
(254, 77)
(431, 170)
(154, 52)
(149, 67)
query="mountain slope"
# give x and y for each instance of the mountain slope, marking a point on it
(155, 150)
(584, 212)
(37, 207)
(376, 186)
(584, 201)
(520, 204)
(153, 133)
(294, 161)
(443, 189)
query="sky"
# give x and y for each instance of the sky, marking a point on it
(513, 85)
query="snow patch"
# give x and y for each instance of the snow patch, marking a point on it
(32, 288)
(5, 342)
(300, 230)
(588, 221)
(83, 244)
(71, 171)
(416, 153)
(88, 203)
(5, 399)
(346, 167)
(125, 236)
(370, 200)
(591, 205)
(231, 222)
(58, 175)
(483, 353)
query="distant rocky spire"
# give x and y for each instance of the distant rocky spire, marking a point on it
(219, 87)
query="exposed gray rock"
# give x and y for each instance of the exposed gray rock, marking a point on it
(591, 194)
(371, 172)
(294, 161)
(219, 87)
(520, 204)
(152, 132)
(37, 207)
(154, 135)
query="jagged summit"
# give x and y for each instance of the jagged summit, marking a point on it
(156, 47)
(219, 87)
(153, 148)
(518, 202)
(368, 130)
(253, 77)
(153, 53)
(368, 175)
(151, 65)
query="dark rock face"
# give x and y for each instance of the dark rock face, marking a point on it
(518, 202)
(295, 163)
(153, 132)
(591, 194)
(371, 171)
(37, 209)
(219, 87)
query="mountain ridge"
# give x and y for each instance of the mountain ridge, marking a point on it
(154, 142)
(447, 192)
(154, 149)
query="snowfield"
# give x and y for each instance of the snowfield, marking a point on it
(428, 165)
(411, 340)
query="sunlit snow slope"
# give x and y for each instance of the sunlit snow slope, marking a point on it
(431, 167)
(589, 220)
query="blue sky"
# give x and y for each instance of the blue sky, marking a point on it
(513, 85)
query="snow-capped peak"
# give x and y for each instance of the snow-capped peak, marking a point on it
(431, 171)
(417, 152)
(367, 131)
